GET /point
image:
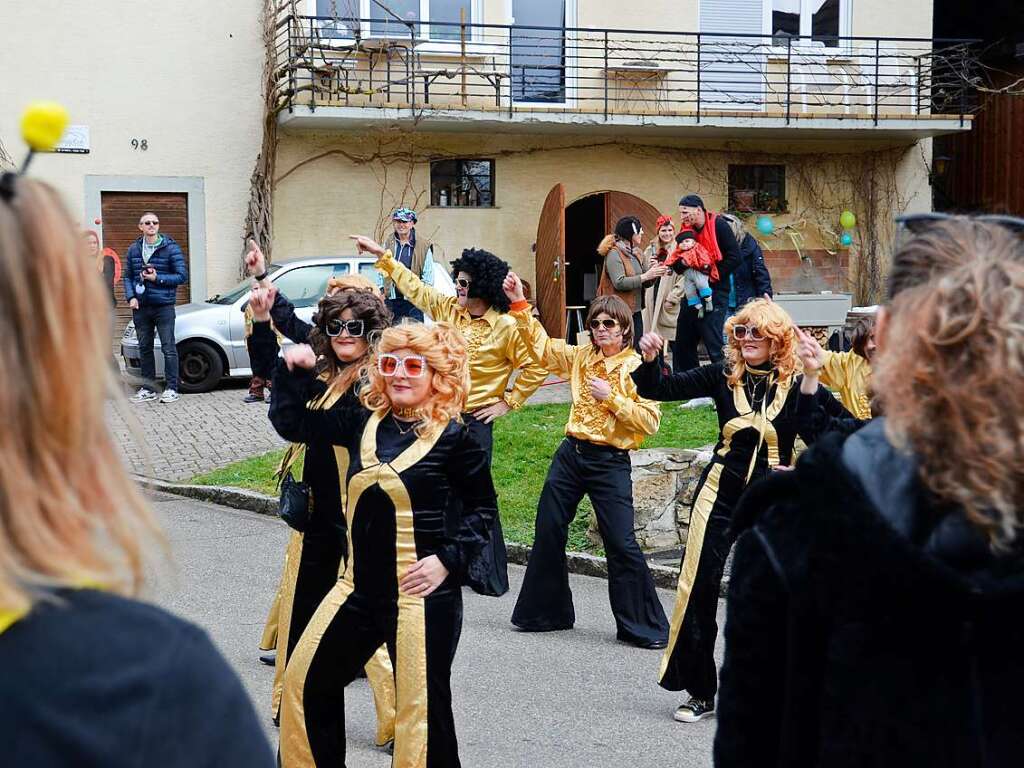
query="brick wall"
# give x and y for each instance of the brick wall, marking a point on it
(830, 271)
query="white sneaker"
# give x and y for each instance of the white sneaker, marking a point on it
(169, 396)
(143, 396)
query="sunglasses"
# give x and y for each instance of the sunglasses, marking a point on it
(414, 366)
(462, 282)
(352, 327)
(608, 323)
(150, 223)
(744, 332)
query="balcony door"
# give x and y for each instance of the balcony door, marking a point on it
(538, 55)
(732, 69)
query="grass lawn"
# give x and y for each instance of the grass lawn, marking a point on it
(524, 442)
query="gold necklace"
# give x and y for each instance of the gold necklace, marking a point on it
(398, 424)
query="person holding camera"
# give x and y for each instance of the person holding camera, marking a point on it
(155, 267)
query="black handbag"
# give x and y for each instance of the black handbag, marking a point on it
(293, 506)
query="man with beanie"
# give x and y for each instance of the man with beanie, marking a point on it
(414, 256)
(717, 233)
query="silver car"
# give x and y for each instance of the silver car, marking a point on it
(211, 335)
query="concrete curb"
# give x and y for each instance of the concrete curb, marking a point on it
(579, 562)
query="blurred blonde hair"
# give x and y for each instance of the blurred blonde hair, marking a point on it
(69, 513)
(777, 326)
(950, 372)
(444, 349)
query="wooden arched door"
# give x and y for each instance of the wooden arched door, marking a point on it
(619, 204)
(550, 263)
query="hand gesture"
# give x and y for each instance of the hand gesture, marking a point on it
(366, 245)
(260, 301)
(133, 303)
(513, 287)
(149, 274)
(659, 270)
(600, 389)
(299, 356)
(492, 412)
(423, 577)
(811, 355)
(651, 345)
(255, 261)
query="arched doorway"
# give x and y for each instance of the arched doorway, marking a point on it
(568, 265)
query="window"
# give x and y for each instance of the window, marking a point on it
(347, 13)
(305, 286)
(462, 183)
(820, 20)
(760, 188)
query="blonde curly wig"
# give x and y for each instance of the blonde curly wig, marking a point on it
(950, 371)
(777, 326)
(444, 349)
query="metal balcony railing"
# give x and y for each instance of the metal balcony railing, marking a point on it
(609, 74)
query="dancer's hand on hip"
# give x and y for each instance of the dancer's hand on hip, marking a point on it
(423, 577)
(491, 413)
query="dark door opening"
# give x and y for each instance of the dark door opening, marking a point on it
(584, 228)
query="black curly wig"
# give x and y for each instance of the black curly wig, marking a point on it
(487, 273)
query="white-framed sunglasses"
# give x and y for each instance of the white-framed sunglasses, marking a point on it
(414, 366)
(744, 332)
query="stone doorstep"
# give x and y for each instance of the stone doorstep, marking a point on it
(580, 563)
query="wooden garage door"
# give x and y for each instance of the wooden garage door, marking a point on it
(121, 212)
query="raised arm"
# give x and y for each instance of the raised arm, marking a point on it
(817, 410)
(531, 373)
(552, 355)
(440, 307)
(283, 311)
(653, 383)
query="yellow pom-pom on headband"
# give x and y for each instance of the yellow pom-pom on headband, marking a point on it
(42, 125)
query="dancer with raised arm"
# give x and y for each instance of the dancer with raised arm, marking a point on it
(479, 311)
(755, 394)
(401, 584)
(607, 420)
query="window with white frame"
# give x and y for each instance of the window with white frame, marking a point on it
(823, 21)
(433, 19)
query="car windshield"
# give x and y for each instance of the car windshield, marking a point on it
(230, 297)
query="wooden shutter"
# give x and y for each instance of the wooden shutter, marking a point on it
(121, 212)
(550, 264)
(619, 204)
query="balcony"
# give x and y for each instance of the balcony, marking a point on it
(350, 74)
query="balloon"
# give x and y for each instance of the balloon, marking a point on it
(97, 222)
(846, 239)
(847, 220)
(42, 125)
(765, 225)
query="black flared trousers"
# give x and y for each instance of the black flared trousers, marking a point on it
(545, 601)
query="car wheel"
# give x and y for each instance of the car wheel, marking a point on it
(200, 367)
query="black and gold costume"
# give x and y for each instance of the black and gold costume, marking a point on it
(313, 558)
(399, 490)
(758, 425)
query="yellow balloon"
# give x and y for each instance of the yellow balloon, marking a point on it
(847, 220)
(42, 125)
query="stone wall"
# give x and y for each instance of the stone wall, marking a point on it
(664, 481)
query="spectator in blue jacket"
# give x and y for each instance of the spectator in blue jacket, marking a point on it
(154, 268)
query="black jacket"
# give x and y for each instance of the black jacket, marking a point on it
(98, 681)
(751, 279)
(867, 625)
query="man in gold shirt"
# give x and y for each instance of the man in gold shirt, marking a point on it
(479, 310)
(850, 372)
(607, 420)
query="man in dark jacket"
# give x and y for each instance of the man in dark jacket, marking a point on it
(690, 329)
(751, 279)
(154, 268)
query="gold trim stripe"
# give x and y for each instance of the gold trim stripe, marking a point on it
(289, 578)
(699, 517)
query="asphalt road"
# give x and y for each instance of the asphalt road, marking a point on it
(576, 698)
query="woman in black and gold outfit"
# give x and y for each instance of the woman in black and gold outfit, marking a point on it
(401, 584)
(345, 321)
(755, 393)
